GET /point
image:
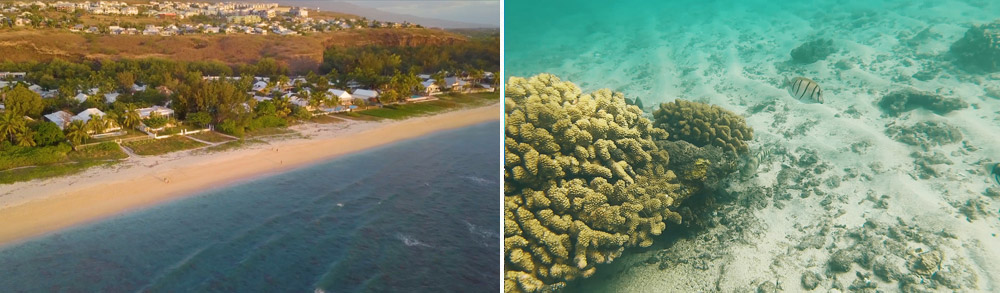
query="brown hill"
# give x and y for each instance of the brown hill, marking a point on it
(301, 53)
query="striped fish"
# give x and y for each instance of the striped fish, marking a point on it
(805, 90)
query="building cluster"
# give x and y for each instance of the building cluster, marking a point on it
(340, 100)
(227, 17)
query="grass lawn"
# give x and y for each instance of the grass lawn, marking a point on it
(162, 146)
(41, 172)
(74, 162)
(130, 133)
(101, 152)
(356, 115)
(445, 102)
(325, 119)
(229, 146)
(269, 131)
(210, 136)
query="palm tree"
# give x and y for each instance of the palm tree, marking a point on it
(131, 117)
(25, 138)
(10, 125)
(76, 132)
(97, 123)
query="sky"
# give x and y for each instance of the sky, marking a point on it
(471, 11)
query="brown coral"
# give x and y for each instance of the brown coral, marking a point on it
(583, 179)
(703, 124)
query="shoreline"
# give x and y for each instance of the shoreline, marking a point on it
(35, 208)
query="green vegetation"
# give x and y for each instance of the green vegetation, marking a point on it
(445, 103)
(52, 161)
(210, 136)
(237, 144)
(151, 147)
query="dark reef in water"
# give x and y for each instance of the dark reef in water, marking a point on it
(979, 49)
(897, 102)
(813, 51)
(925, 134)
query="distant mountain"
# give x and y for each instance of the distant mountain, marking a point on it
(376, 14)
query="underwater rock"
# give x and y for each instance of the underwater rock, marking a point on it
(703, 124)
(925, 134)
(992, 191)
(767, 287)
(974, 208)
(841, 260)
(897, 102)
(889, 268)
(811, 279)
(979, 49)
(813, 51)
(863, 283)
(926, 263)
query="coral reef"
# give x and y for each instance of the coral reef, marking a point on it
(703, 124)
(897, 102)
(813, 51)
(583, 179)
(979, 49)
(925, 134)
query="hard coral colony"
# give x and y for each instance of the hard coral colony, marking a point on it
(584, 178)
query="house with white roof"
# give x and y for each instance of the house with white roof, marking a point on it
(138, 88)
(259, 86)
(85, 115)
(81, 97)
(344, 97)
(60, 118)
(430, 87)
(368, 95)
(454, 82)
(110, 97)
(159, 110)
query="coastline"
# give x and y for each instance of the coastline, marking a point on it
(31, 209)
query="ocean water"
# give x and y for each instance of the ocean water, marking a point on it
(841, 168)
(415, 216)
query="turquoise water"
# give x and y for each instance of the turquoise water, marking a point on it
(828, 172)
(415, 216)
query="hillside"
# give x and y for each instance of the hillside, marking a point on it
(301, 53)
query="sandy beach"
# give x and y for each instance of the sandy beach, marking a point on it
(30, 209)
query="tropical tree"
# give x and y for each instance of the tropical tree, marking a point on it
(22, 101)
(76, 132)
(317, 98)
(359, 102)
(97, 123)
(130, 118)
(48, 134)
(12, 125)
(439, 79)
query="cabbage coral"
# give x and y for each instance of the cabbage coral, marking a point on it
(583, 179)
(703, 124)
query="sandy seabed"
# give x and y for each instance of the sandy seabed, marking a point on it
(30, 209)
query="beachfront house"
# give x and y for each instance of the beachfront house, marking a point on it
(160, 110)
(367, 95)
(60, 118)
(344, 97)
(454, 83)
(430, 88)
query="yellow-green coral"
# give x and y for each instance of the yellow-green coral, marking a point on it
(583, 179)
(703, 124)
